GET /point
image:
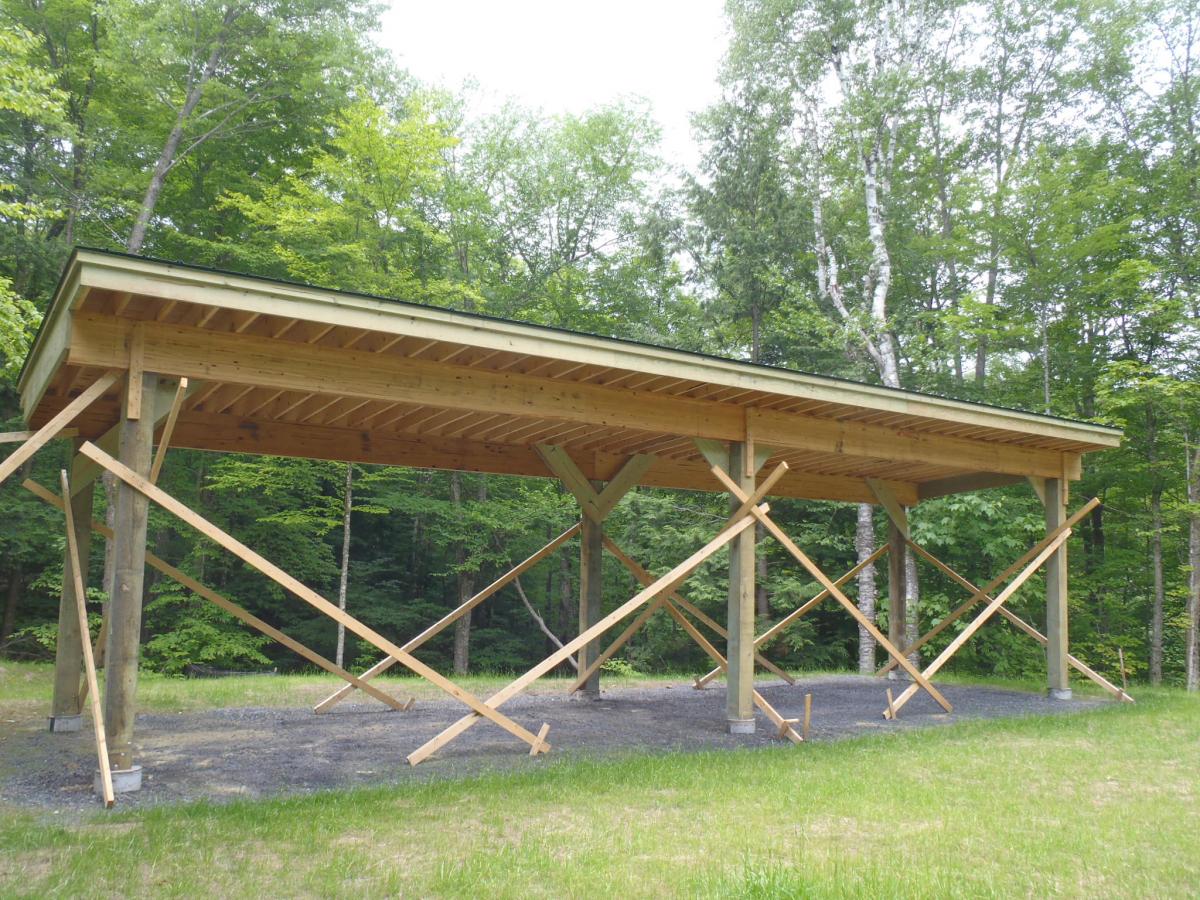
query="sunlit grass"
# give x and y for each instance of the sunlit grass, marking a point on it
(1101, 803)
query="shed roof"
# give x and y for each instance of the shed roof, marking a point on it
(294, 370)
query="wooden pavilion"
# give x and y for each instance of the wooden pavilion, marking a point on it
(136, 353)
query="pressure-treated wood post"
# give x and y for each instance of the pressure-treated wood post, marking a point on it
(591, 595)
(129, 552)
(739, 700)
(65, 710)
(897, 598)
(1056, 595)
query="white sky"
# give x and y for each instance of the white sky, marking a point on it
(569, 55)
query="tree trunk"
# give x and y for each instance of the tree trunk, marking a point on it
(1156, 618)
(1193, 604)
(344, 580)
(466, 581)
(864, 546)
(12, 596)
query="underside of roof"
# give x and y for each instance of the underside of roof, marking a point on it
(289, 370)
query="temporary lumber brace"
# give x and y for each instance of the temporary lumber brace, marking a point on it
(229, 606)
(963, 636)
(1018, 622)
(160, 455)
(662, 584)
(89, 662)
(288, 582)
(783, 726)
(982, 593)
(595, 504)
(55, 426)
(833, 589)
(646, 578)
(452, 616)
(772, 632)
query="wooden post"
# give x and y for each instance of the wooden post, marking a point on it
(596, 501)
(1056, 595)
(65, 708)
(591, 596)
(125, 605)
(739, 697)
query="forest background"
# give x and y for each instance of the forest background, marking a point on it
(995, 201)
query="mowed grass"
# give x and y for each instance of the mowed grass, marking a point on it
(1105, 802)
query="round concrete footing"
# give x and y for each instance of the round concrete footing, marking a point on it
(125, 781)
(65, 724)
(1059, 694)
(741, 726)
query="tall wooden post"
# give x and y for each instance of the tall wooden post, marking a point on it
(1056, 595)
(129, 551)
(739, 699)
(897, 597)
(591, 594)
(65, 711)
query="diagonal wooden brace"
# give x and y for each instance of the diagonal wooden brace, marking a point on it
(791, 617)
(988, 588)
(783, 726)
(58, 424)
(224, 603)
(290, 583)
(89, 661)
(963, 636)
(1020, 623)
(674, 597)
(776, 532)
(451, 617)
(664, 583)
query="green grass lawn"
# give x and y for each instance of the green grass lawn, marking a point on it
(1103, 803)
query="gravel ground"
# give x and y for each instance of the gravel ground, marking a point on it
(256, 752)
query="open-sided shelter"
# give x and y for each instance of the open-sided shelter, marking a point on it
(136, 352)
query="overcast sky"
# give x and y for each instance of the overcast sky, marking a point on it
(569, 55)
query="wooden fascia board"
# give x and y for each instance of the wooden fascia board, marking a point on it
(176, 350)
(50, 349)
(232, 434)
(875, 442)
(330, 307)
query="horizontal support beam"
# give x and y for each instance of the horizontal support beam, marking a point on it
(261, 362)
(877, 442)
(961, 484)
(232, 434)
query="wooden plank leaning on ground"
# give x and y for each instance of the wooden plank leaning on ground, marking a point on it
(1021, 624)
(89, 662)
(984, 592)
(56, 425)
(795, 614)
(452, 616)
(664, 583)
(309, 596)
(732, 487)
(963, 636)
(229, 606)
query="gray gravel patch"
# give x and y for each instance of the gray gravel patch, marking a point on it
(253, 752)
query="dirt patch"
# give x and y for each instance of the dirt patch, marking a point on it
(251, 752)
